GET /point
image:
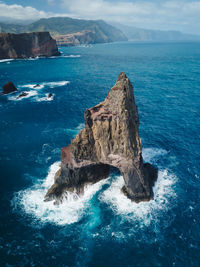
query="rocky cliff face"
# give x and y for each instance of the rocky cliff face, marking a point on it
(78, 38)
(110, 138)
(25, 45)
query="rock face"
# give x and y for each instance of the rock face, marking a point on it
(110, 138)
(25, 45)
(78, 38)
(9, 88)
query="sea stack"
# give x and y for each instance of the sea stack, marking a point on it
(26, 45)
(110, 138)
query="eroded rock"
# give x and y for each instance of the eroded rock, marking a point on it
(26, 45)
(110, 138)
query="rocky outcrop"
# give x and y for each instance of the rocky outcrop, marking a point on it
(110, 138)
(26, 45)
(8, 88)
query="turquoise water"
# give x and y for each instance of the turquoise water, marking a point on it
(101, 228)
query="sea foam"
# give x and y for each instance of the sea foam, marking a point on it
(45, 84)
(30, 94)
(32, 201)
(73, 207)
(6, 60)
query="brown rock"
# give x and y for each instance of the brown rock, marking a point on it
(26, 45)
(9, 88)
(110, 138)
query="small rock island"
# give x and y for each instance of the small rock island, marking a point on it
(27, 45)
(110, 138)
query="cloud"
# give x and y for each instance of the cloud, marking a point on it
(165, 14)
(154, 14)
(21, 13)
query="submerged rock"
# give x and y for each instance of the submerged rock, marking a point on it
(8, 88)
(110, 138)
(26, 45)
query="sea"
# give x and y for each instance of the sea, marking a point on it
(102, 227)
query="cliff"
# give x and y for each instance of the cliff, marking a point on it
(78, 38)
(25, 45)
(99, 30)
(110, 138)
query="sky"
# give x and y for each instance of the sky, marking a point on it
(182, 15)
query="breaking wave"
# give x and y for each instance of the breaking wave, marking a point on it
(45, 98)
(6, 60)
(32, 201)
(72, 56)
(29, 94)
(45, 84)
(72, 209)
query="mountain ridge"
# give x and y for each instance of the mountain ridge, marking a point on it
(102, 31)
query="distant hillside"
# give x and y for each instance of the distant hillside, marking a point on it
(138, 34)
(101, 32)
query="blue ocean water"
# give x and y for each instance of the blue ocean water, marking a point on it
(101, 228)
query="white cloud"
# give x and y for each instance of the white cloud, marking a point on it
(160, 14)
(178, 14)
(21, 13)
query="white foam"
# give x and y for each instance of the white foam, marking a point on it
(164, 194)
(5, 60)
(72, 56)
(45, 98)
(32, 86)
(44, 84)
(30, 93)
(70, 211)
(151, 154)
(55, 84)
(80, 126)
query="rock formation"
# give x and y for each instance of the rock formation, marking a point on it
(110, 138)
(8, 88)
(25, 45)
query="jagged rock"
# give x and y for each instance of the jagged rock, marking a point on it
(8, 88)
(110, 138)
(22, 94)
(25, 45)
(36, 86)
(49, 95)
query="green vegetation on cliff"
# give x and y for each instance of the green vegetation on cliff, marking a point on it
(61, 26)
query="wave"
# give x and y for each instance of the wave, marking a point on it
(164, 194)
(45, 84)
(45, 98)
(29, 94)
(72, 56)
(73, 207)
(80, 126)
(6, 60)
(31, 201)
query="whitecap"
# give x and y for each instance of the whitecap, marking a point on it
(151, 154)
(164, 193)
(55, 84)
(45, 98)
(32, 86)
(29, 94)
(72, 56)
(38, 86)
(73, 207)
(5, 60)
(70, 211)
(80, 126)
